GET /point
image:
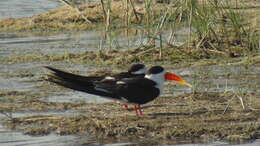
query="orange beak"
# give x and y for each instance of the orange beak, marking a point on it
(174, 77)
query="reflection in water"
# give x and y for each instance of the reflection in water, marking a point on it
(73, 42)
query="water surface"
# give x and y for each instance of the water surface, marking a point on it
(25, 8)
(214, 78)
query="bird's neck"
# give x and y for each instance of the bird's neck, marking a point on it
(159, 80)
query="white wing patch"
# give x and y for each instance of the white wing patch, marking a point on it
(101, 89)
(120, 82)
(109, 78)
(124, 100)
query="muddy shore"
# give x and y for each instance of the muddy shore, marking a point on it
(205, 116)
(223, 105)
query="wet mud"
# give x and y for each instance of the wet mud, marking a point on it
(202, 115)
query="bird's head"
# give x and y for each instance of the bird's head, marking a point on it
(137, 69)
(159, 75)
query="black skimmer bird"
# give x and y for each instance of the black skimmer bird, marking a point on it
(134, 90)
(76, 82)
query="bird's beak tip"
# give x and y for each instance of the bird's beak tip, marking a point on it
(186, 83)
(174, 77)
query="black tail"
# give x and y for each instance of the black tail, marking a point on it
(70, 80)
(75, 82)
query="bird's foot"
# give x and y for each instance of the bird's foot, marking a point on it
(138, 110)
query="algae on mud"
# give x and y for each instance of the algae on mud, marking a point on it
(199, 115)
(195, 115)
(173, 55)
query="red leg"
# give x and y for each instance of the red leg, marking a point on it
(136, 110)
(140, 110)
(126, 107)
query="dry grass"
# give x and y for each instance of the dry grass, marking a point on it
(198, 115)
(173, 55)
(65, 18)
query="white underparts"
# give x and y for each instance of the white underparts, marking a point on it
(158, 79)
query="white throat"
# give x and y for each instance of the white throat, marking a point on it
(158, 79)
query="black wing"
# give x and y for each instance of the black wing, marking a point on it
(134, 90)
(123, 75)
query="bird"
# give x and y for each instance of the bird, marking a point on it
(133, 90)
(134, 71)
(74, 81)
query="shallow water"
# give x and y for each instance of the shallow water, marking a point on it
(25, 8)
(67, 113)
(214, 78)
(219, 78)
(69, 42)
(221, 143)
(12, 138)
(75, 97)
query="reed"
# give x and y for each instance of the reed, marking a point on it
(126, 17)
(74, 7)
(103, 9)
(215, 27)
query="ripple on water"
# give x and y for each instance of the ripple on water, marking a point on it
(67, 113)
(11, 138)
(16, 84)
(75, 97)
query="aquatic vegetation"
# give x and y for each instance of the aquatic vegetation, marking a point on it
(195, 11)
(215, 29)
